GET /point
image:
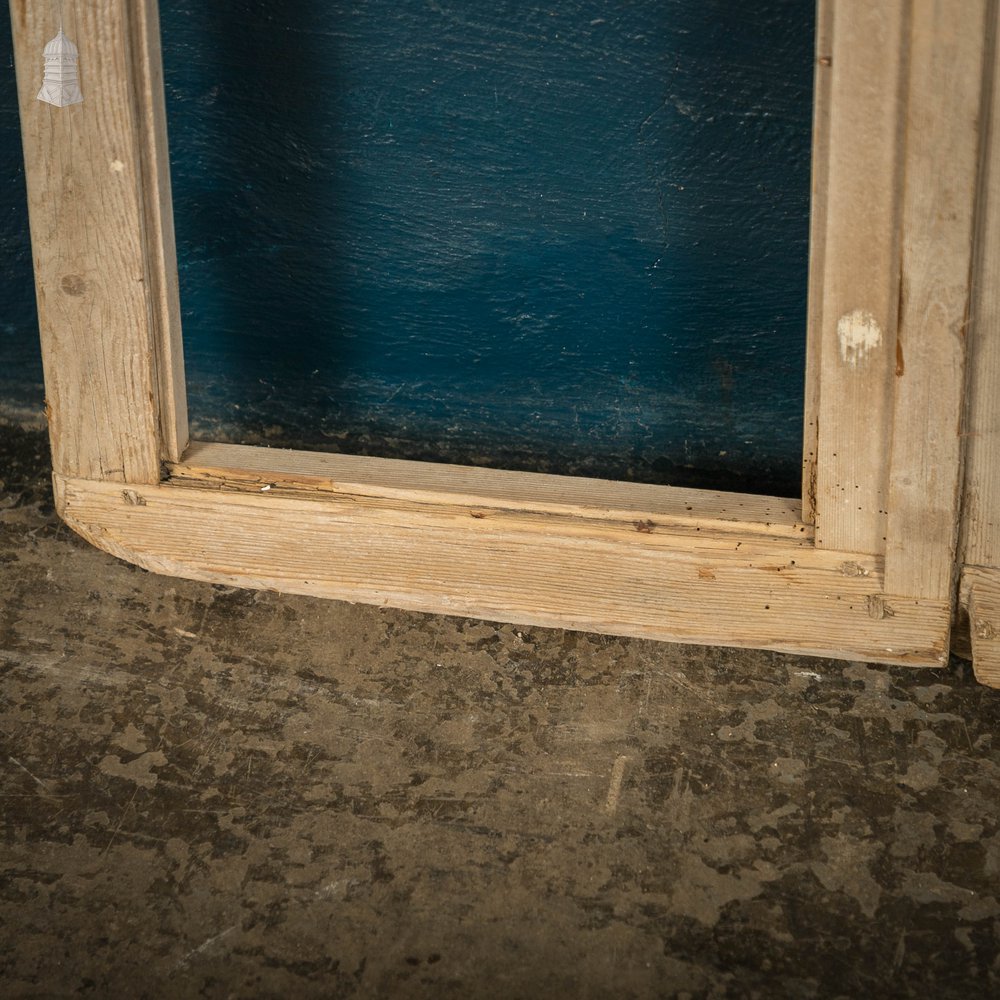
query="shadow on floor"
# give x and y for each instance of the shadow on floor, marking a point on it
(214, 792)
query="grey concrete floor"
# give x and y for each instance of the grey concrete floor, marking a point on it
(210, 792)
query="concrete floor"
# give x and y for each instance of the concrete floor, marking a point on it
(210, 792)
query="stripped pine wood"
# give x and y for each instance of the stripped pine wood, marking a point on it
(981, 596)
(151, 121)
(532, 569)
(942, 170)
(817, 251)
(83, 167)
(860, 272)
(240, 467)
(980, 530)
(981, 504)
(870, 580)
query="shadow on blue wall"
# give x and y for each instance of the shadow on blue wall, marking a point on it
(21, 391)
(568, 237)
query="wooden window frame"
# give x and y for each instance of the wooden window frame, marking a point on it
(866, 567)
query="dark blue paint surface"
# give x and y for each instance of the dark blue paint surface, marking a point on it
(21, 392)
(570, 237)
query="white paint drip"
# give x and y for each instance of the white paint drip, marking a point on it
(859, 334)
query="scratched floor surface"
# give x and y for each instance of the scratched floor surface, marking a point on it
(217, 793)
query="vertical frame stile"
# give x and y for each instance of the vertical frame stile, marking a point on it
(981, 501)
(856, 311)
(151, 119)
(980, 531)
(83, 168)
(947, 48)
(822, 83)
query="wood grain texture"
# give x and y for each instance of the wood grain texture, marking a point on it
(981, 503)
(981, 590)
(675, 564)
(526, 568)
(83, 166)
(822, 86)
(159, 229)
(645, 508)
(942, 169)
(860, 272)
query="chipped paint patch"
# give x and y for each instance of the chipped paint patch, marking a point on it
(858, 334)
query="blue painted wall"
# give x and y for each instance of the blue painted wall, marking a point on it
(21, 393)
(569, 236)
